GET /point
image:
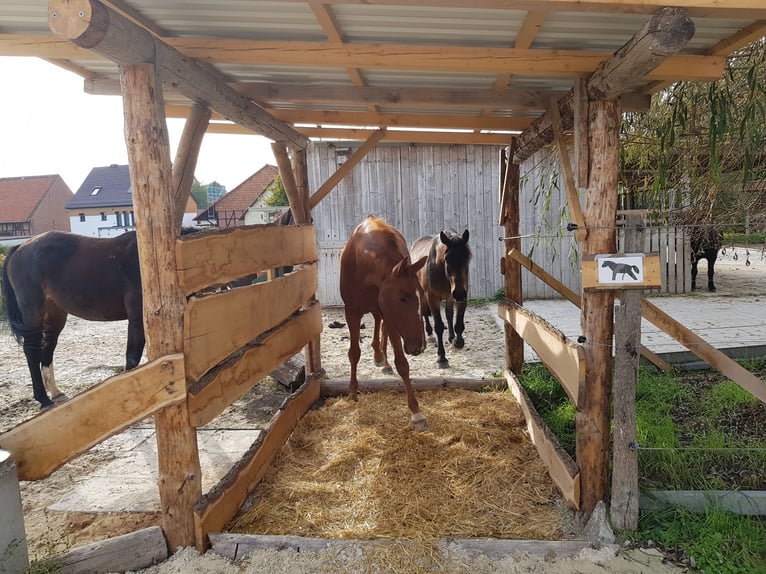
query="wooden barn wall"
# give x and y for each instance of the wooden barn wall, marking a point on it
(542, 223)
(419, 189)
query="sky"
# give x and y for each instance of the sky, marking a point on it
(49, 125)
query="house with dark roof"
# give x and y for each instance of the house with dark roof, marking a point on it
(243, 205)
(32, 205)
(103, 205)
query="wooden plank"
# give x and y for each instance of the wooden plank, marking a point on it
(217, 325)
(705, 350)
(336, 387)
(238, 546)
(224, 501)
(563, 358)
(216, 257)
(561, 468)
(128, 552)
(55, 436)
(222, 387)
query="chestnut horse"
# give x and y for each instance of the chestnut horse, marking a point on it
(57, 273)
(376, 277)
(444, 278)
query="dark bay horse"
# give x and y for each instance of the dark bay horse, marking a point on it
(376, 276)
(57, 273)
(705, 241)
(444, 278)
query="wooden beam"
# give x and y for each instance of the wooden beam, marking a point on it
(151, 179)
(186, 157)
(55, 436)
(389, 96)
(410, 136)
(89, 24)
(339, 387)
(664, 34)
(346, 168)
(573, 197)
(298, 203)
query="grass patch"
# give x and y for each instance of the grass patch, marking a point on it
(758, 238)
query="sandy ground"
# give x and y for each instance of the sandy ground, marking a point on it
(89, 352)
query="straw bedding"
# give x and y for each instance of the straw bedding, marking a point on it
(358, 470)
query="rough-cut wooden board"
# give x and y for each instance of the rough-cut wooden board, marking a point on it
(563, 358)
(129, 552)
(45, 442)
(334, 387)
(217, 325)
(212, 258)
(224, 501)
(561, 468)
(221, 388)
(238, 546)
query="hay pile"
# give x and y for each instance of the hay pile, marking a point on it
(357, 470)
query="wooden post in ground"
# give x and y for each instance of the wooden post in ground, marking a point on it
(154, 204)
(594, 400)
(627, 343)
(509, 219)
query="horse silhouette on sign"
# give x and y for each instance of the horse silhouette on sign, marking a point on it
(622, 269)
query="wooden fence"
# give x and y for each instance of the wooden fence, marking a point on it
(232, 339)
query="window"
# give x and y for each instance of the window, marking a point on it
(82, 217)
(119, 219)
(96, 190)
(103, 216)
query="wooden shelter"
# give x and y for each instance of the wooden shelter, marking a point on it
(517, 73)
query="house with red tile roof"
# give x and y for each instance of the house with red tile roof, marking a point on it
(33, 204)
(243, 205)
(103, 204)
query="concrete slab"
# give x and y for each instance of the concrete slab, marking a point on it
(129, 482)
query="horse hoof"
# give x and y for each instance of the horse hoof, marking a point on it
(458, 343)
(45, 407)
(388, 371)
(419, 422)
(442, 364)
(711, 288)
(58, 399)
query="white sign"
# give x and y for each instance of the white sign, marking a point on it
(628, 268)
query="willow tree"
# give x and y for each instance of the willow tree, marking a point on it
(699, 153)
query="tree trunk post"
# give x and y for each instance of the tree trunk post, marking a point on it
(509, 218)
(164, 303)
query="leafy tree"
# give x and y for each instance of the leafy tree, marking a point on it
(276, 193)
(700, 144)
(199, 193)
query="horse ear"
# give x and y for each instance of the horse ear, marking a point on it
(444, 238)
(419, 264)
(401, 267)
(465, 236)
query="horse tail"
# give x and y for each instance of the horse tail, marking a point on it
(10, 303)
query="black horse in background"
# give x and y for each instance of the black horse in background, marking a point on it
(444, 277)
(705, 241)
(58, 273)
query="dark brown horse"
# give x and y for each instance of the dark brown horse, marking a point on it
(705, 241)
(58, 273)
(376, 277)
(444, 278)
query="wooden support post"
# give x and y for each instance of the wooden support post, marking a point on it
(313, 353)
(594, 401)
(154, 204)
(509, 218)
(297, 203)
(580, 128)
(627, 342)
(186, 157)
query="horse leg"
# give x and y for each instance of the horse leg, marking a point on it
(33, 352)
(419, 422)
(434, 303)
(711, 257)
(460, 324)
(354, 322)
(426, 312)
(694, 272)
(449, 313)
(136, 342)
(55, 319)
(379, 344)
